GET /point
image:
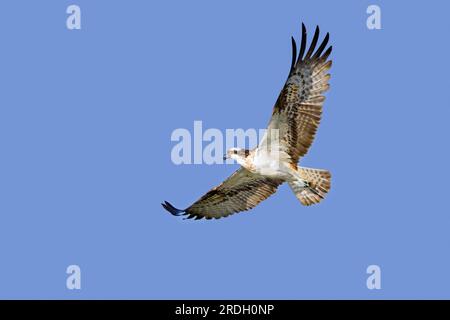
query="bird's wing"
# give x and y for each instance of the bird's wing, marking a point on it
(298, 109)
(241, 191)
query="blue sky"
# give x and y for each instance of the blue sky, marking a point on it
(86, 118)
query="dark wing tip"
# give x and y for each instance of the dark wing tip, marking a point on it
(322, 46)
(302, 43)
(294, 54)
(327, 52)
(294, 44)
(313, 43)
(176, 212)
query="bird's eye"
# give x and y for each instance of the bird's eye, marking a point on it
(235, 151)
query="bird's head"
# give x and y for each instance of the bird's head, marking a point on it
(237, 154)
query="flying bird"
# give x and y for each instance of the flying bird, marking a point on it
(291, 130)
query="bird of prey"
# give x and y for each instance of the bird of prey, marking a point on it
(295, 118)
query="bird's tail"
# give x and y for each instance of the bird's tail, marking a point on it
(311, 186)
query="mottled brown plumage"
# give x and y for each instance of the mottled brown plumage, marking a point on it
(295, 117)
(298, 110)
(241, 191)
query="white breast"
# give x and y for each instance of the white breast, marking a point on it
(270, 165)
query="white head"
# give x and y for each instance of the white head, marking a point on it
(237, 154)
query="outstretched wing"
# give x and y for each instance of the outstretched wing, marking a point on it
(298, 109)
(242, 191)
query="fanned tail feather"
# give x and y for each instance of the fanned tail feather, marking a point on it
(313, 185)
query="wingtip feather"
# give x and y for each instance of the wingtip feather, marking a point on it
(302, 44)
(294, 54)
(312, 46)
(169, 207)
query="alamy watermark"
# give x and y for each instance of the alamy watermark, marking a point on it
(373, 21)
(73, 281)
(73, 21)
(374, 279)
(199, 146)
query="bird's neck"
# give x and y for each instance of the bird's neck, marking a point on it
(247, 163)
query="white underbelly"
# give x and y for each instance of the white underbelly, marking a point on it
(270, 167)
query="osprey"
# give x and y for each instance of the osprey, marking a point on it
(292, 127)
